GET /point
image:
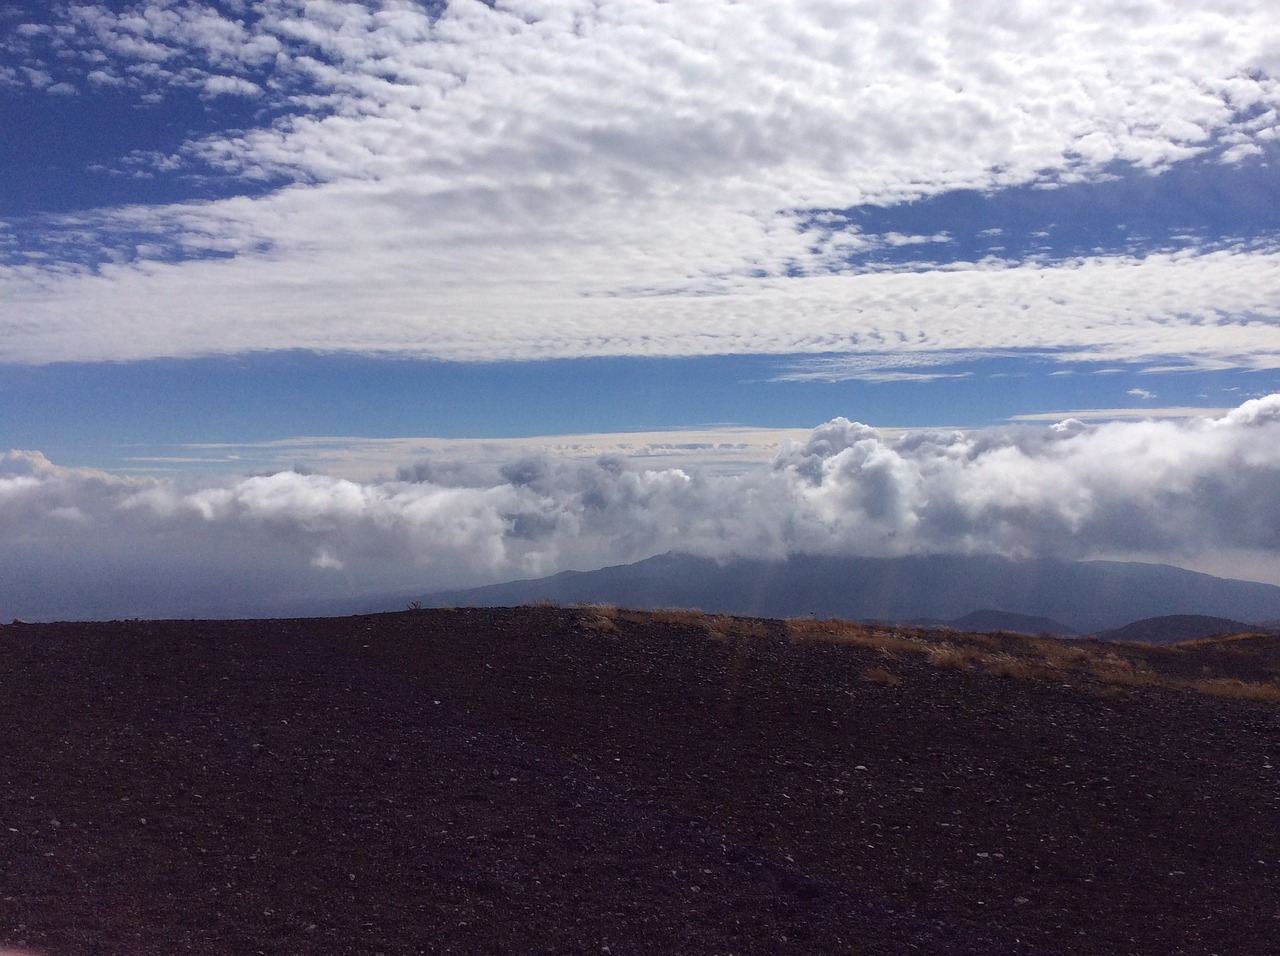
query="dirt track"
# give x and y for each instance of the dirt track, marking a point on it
(498, 781)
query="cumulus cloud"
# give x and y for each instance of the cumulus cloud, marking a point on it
(73, 541)
(516, 180)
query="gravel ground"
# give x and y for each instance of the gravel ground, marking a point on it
(506, 780)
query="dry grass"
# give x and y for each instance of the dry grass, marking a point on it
(1008, 665)
(692, 617)
(881, 677)
(946, 656)
(721, 627)
(887, 641)
(1232, 641)
(1111, 668)
(1060, 655)
(1108, 668)
(1248, 690)
(718, 626)
(601, 617)
(688, 616)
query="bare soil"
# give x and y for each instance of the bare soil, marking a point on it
(535, 780)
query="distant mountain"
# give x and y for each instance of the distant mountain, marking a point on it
(987, 621)
(1086, 596)
(1170, 629)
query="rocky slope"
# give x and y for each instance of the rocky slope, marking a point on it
(591, 780)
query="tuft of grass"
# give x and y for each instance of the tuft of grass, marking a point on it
(686, 616)
(947, 656)
(1061, 655)
(1111, 668)
(720, 627)
(1009, 665)
(887, 641)
(1110, 691)
(601, 617)
(881, 677)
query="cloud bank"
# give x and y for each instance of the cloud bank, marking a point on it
(79, 543)
(526, 180)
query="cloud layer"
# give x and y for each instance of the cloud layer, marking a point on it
(74, 542)
(529, 180)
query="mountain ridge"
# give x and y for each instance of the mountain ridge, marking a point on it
(1085, 596)
(985, 620)
(1178, 628)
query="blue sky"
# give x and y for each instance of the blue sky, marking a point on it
(111, 415)
(245, 238)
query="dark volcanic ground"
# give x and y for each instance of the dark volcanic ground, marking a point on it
(518, 780)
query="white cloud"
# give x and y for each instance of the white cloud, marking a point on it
(1122, 414)
(724, 450)
(1182, 311)
(876, 366)
(1241, 152)
(1182, 490)
(230, 86)
(326, 559)
(522, 181)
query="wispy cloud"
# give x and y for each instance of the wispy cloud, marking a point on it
(721, 450)
(873, 366)
(1122, 414)
(516, 181)
(1191, 487)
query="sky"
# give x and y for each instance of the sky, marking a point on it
(300, 297)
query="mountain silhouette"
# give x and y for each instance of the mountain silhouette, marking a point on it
(988, 620)
(1085, 596)
(1172, 628)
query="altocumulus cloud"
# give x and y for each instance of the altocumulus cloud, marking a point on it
(520, 180)
(78, 543)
